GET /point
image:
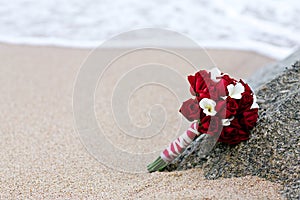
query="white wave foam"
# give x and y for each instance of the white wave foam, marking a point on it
(268, 27)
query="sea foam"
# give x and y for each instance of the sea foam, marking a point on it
(268, 27)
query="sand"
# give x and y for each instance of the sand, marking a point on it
(42, 157)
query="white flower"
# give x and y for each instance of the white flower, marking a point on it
(208, 106)
(226, 122)
(214, 73)
(254, 104)
(235, 91)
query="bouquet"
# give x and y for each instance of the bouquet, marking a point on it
(222, 107)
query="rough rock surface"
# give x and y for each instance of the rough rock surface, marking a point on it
(270, 72)
(272, 152)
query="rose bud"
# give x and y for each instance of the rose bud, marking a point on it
(190, 109)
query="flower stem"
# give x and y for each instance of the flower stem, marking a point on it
(158, 165)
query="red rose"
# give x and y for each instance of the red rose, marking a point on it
(203, 94)
(209, 125)
(233, 134)
(249, 118)
(227, 108)
(228, 80)
(204, 124)
(199, 81)
(231, 107)
(190, 109)
(245, 102)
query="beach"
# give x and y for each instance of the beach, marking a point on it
(42, 156)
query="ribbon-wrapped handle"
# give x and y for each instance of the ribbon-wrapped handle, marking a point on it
(180, 144)
(175, 148)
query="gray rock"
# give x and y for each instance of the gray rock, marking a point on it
(272, 152)
(270, 72)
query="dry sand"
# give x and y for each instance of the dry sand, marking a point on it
(43, 158)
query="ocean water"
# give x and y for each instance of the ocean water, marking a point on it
(270, 27)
